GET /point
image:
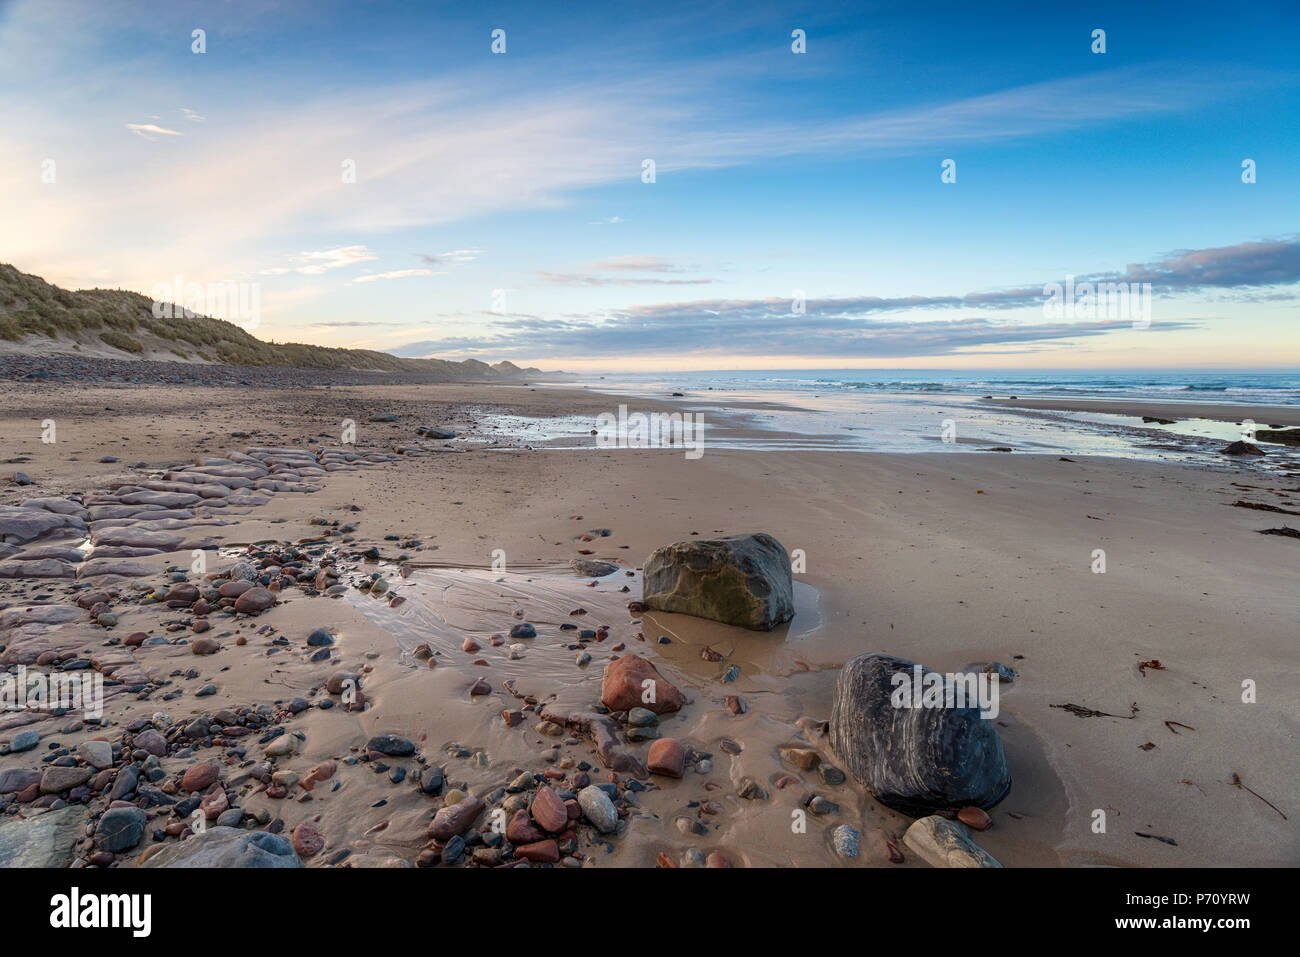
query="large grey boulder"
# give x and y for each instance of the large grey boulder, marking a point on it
(228, 847)
(42, 840)
(743, 580)
(916, 760)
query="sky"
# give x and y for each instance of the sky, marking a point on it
(383, 179)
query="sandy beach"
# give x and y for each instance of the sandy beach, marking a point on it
(949, 559)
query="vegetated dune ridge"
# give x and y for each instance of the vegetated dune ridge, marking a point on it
(36, 317)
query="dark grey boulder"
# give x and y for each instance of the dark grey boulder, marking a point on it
(743, 580)
(916, 760)
(120, 829)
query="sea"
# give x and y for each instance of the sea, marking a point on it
(1254, 388)
(942, 410)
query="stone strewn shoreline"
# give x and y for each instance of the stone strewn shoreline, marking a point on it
(147, 372)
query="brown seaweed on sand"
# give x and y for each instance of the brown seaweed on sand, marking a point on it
(1236, 782)
(1083, 712)
(1284, 530)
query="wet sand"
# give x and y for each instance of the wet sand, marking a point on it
(1264, 415)
(947, 560)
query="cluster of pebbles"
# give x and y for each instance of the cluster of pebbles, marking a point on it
(95, 544)
(156, 789)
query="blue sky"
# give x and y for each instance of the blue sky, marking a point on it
(499, 209)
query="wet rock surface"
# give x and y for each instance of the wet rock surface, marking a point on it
(914, 759)
(743, 580)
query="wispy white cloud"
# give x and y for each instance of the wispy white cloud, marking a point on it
(640, 264)
(145, 129)
(398, 274)
(322, 261)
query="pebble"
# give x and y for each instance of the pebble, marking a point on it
(666, 757)
(845, 840)
(548, 811)
(307, 841)
(975, 818)
(201, 776)
(391, 745)
(598, 808)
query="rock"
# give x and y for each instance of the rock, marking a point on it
(915, 760)
(151, 741)
(743, 580)
(523, 630)
(254, 600)
(604, 734)
(820, 805)
(201, 776)
(1280, 436)
(845, 840)
(231, 818)
(341, 681)
(543, 852)
(598, 808)
(205, 646)
(549, 812)
(455, 818)
(320, 638)
(623, 687)
(391, 745)
(1243, 448)
(977, 819)
(24, 740)
(480, 687)
(37, 568)
(522, 830)
(214, 803)
(181, 595)
(55, 780)
(592, 568)
(830, 775)
(98, 754)
(228, 847)
(642, 718)
(667, 757)
(944, 843)
(44, 840)
(283, 746)
(18, 779)
(805, 759)
(120, 829)
(124, 783)
(307, 841)
(20, 525)
(234, 589)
